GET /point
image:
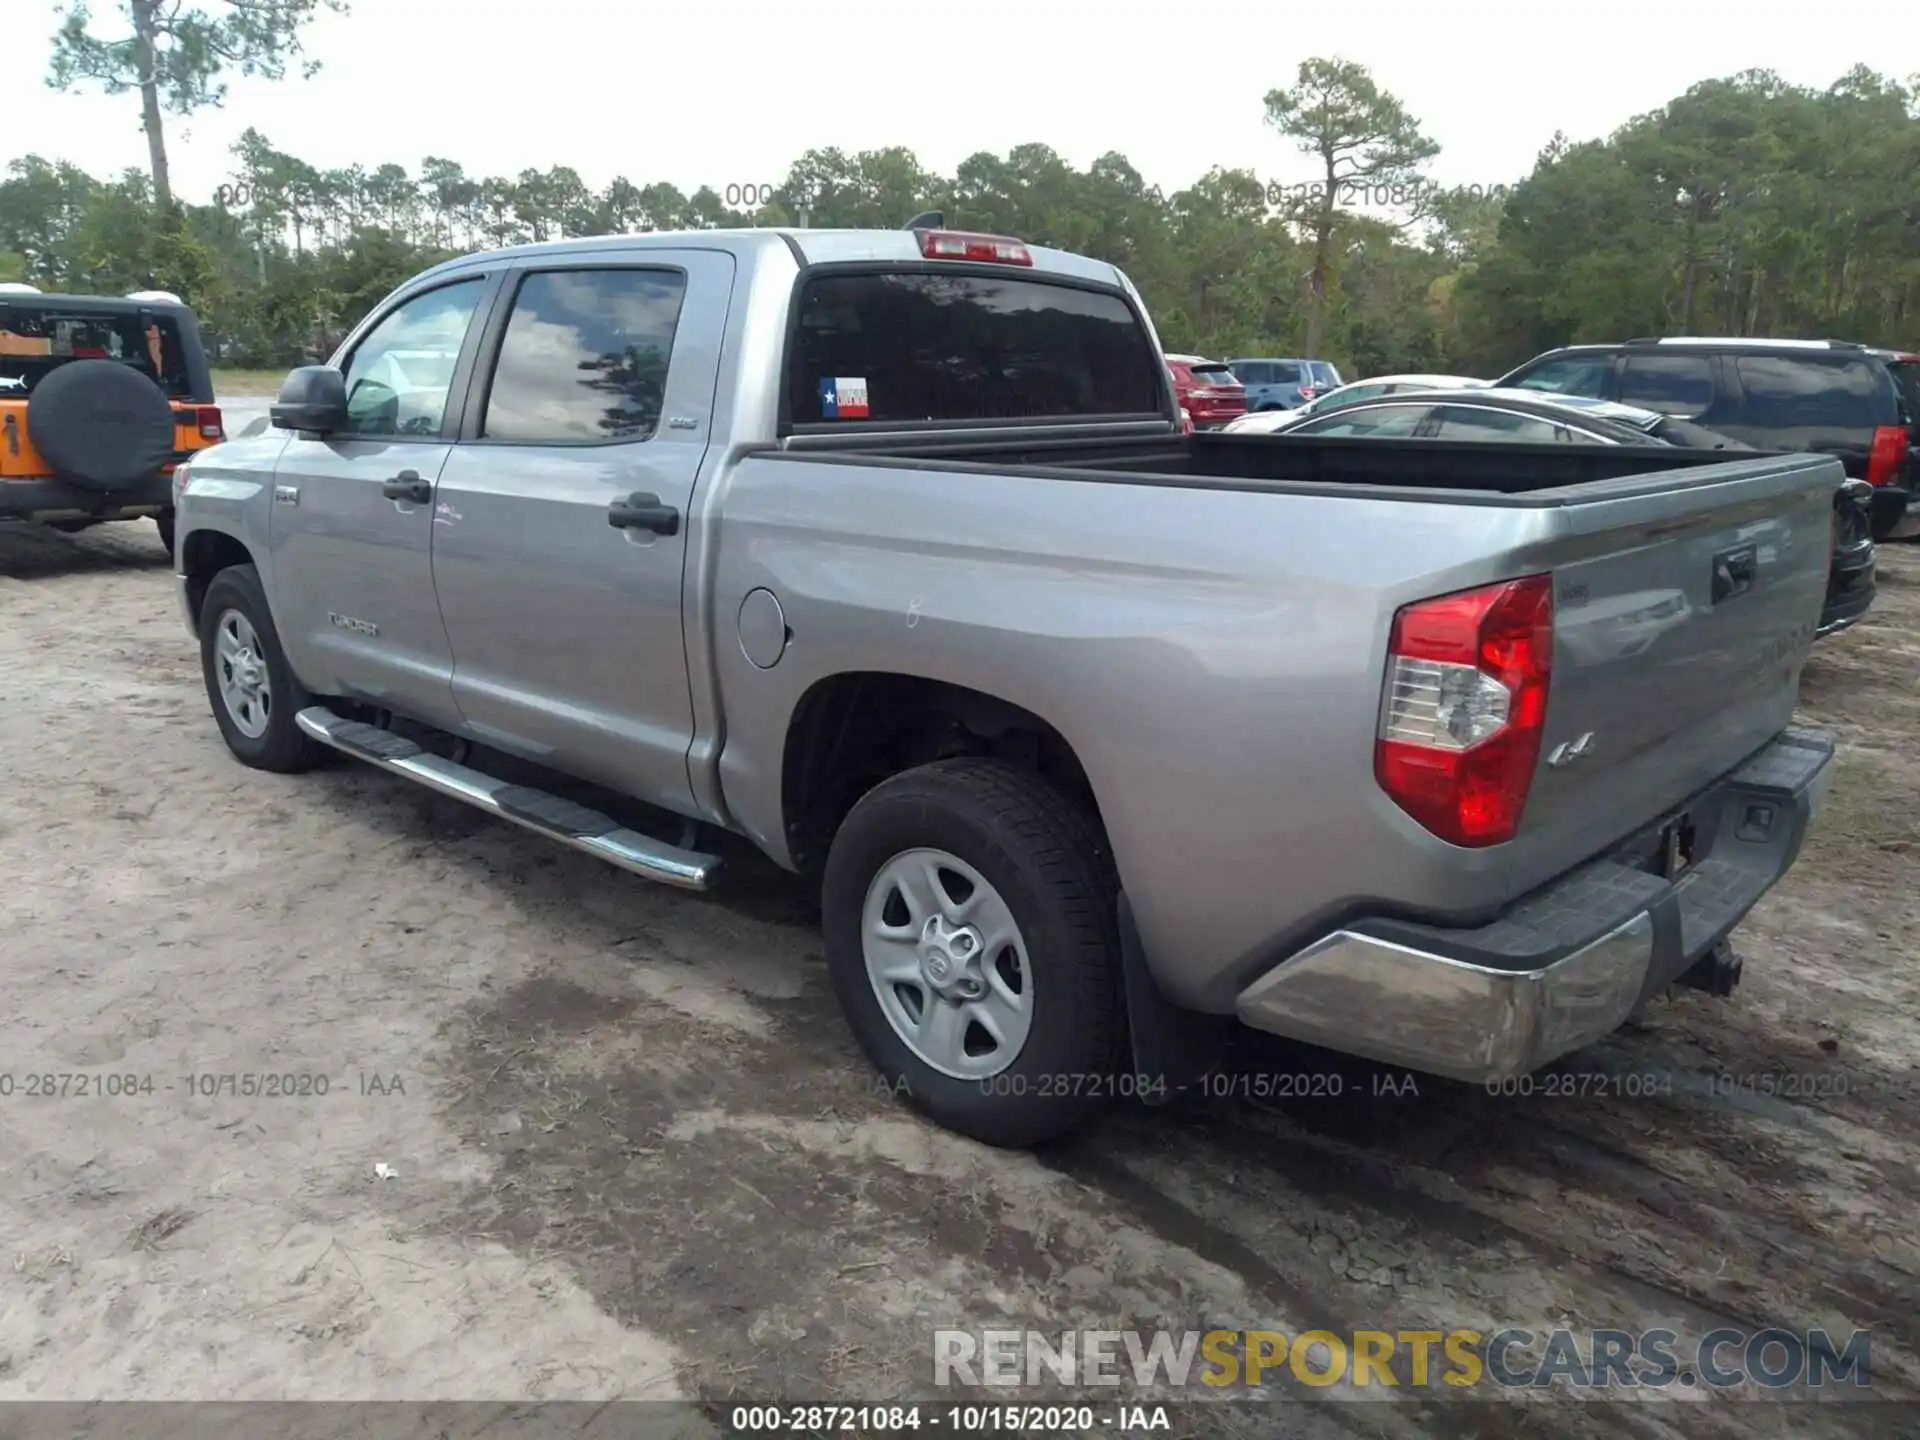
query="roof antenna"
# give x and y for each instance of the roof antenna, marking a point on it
(927, 220)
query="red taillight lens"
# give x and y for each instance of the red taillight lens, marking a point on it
(211, 425)
(1465, 706)
(961, 245)
(1889, 449)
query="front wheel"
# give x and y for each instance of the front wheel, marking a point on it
(250, 685)
(971, 937)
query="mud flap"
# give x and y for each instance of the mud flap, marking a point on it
(1173, 1047)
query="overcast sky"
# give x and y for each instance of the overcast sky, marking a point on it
(730, 91)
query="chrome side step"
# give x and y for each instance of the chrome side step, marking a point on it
(535, 810)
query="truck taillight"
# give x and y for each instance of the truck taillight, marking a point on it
(962, 245)
(211, 425)
(1889, 449)
(1465, 707)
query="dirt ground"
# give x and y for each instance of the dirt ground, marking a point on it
(585, 1138)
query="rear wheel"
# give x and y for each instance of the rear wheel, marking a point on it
(249, 684)
(164, 520)
(969, 912)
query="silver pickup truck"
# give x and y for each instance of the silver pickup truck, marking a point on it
(884, 551)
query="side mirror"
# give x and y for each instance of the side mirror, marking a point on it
(313, 399)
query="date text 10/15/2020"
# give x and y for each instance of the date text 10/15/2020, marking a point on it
(203, 1084)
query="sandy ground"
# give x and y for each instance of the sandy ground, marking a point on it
(583, 1138)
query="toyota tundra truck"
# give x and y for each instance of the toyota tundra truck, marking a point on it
(885, 551)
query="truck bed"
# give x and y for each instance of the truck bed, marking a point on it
(1287, 462)
(1129, 583)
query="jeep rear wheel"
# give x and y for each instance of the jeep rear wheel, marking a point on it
(971, 936)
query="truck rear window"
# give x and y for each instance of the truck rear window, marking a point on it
(906, 348)
(36, 340)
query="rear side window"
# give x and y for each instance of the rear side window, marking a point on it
(1324, 373)
(585, 356)
(1813, 395)
(1906, 379)
(1380, 420)
(1467, 422)
(1678, 385)
(35, 341)
(899, 348)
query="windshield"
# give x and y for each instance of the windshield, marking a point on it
(36, 340)
(1213, 375)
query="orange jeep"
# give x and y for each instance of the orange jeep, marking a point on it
(100, 399)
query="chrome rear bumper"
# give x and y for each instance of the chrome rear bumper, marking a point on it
(1565, 965)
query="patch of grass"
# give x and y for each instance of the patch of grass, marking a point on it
(233, 384)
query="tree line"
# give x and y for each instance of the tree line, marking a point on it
(1745, 206)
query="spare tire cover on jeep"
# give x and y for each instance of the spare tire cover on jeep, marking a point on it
(100, 424)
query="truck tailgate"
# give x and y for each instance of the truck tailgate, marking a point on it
(1681, 620)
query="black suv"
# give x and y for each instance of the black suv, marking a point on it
(1856, 403)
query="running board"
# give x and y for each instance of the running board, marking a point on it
(535, 810)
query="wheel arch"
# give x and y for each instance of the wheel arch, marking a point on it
(853, 729)
(204, 553)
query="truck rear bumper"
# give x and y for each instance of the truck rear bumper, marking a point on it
(1567, 964)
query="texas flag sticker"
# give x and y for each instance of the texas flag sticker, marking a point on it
(844, 397)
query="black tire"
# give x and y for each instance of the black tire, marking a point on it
(283, 746)
(1045, 854)
(101, 425)
(164, 522)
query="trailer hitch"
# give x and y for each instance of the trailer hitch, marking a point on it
(1717, 972)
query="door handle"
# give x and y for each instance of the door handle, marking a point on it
(408, 485)
(1733, 572)
(643, 511)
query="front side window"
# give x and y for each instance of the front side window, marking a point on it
(585, 356)
(912, 347)
(398, 377)
(1573, 375)
(1351, 395)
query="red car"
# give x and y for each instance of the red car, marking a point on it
(1207, 390)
